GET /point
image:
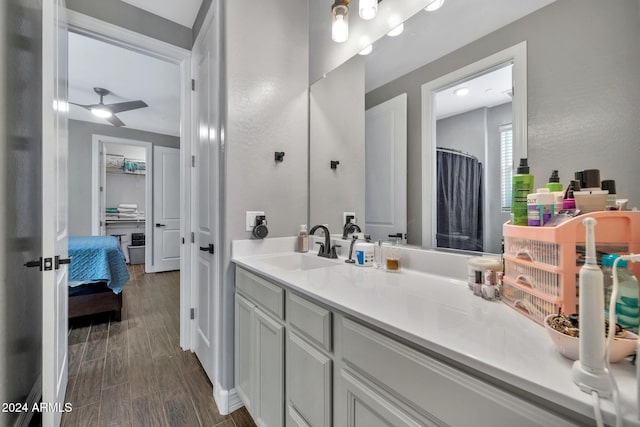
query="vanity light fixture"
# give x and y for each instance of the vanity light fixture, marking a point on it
(101, 112)
(396, 31)
(368, 9)
(461, 91)
(434, 5)
(340, 25)
(367, 50)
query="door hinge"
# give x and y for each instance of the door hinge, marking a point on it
(193, 313)
(101, 223)
(183, 240)
(193, 84)
(193, 161)
(193, 237)
(101, 188)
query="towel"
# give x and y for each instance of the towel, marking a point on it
(127, 210)
(128, 206)
(111, 210)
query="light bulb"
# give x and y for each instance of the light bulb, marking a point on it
(367, 50)
(434, 5)
(463, 91)
(396, 31)
(368, 9)
(101, 112)
(340, 28)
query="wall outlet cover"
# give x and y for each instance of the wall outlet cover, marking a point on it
(251, 219)
(345, 216)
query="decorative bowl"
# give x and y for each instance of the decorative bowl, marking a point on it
(569, 346)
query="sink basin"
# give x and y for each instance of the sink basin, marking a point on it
(301, 262)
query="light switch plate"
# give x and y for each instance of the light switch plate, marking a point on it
(251, 219)
(346, 214)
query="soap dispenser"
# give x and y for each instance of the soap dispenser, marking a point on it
(303, 239)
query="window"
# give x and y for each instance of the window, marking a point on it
(506, 165)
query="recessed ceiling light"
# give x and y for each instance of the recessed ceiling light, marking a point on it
(396, 31)
(367, 50)
(434, 5)
(461, 91)
(368, 9)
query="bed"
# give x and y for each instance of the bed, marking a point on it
(97, 275)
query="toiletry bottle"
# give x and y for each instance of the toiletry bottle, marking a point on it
(569, 202)
(554, 182)
(610, 185)
(540, 207)
(522, 185)
(378, 262)
(627, 301)
(303, 239)
(555, 188)
(392, 255)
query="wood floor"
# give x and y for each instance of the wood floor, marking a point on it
(133, 372)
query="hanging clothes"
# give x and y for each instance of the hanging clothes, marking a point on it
(460, 201)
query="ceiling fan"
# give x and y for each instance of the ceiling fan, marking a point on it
(108, 111)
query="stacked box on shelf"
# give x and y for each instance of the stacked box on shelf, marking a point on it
(542, 263)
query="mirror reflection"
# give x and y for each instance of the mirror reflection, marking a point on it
(473, 160)
(575, 102)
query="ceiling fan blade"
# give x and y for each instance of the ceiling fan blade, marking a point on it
(88, 107)
(115, 121)
(125, 106)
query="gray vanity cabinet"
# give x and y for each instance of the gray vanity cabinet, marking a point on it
(259, 346)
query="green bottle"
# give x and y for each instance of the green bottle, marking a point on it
(554, 182)
(522, 185)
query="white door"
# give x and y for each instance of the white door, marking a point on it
(386, 168)
(54, 227)
(166, 209)
(206, 197)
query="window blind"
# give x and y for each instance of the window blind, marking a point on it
(506, 165)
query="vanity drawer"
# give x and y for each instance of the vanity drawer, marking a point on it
(313, 321)
(263, 293)
(428, 385)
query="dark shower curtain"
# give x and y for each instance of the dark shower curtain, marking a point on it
(459, 192)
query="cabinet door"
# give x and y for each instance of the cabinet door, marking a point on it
(364, 406)
(245, 353)
(308, 381)
(269, 370)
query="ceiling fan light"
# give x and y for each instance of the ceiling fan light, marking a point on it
(368, 9)
(101, 112)
(434, 5)
(367, 50)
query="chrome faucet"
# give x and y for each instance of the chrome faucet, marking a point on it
(326, 250)
(349, 228)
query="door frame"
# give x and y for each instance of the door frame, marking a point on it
(113, 34)
(96, 140)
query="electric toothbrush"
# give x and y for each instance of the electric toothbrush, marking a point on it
(589, 371)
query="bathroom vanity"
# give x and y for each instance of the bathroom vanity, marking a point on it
(320, 342)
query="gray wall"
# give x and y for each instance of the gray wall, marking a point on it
(465, 132)
(336, 132)
(21, 195)
(80, 143)
(266, 68)
(135, 19)
(582, 56)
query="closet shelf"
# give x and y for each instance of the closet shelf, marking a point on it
(124, 172)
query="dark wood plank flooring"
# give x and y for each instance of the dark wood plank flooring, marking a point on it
(133, 372)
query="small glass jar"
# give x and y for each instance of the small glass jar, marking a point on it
(392, 258)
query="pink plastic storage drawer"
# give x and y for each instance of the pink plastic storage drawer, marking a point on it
(542, 263)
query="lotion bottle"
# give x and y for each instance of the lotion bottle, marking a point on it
(522, 186)
(303, 239)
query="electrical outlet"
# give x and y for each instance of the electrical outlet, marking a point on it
(251, 219)
(348, 215)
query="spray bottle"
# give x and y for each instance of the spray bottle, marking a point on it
(589, 371)
(522, 186)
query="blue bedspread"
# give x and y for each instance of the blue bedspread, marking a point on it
(97, 258)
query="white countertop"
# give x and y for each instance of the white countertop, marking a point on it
(442, 315)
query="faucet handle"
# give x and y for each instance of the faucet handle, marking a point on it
(333, 251)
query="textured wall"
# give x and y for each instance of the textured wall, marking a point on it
(465, 132)
(80, 146)
(336, 132)
(266, 68)
(583, 106)
(21, 195)
(135, 19)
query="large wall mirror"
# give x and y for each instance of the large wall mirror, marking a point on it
(576, 79)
